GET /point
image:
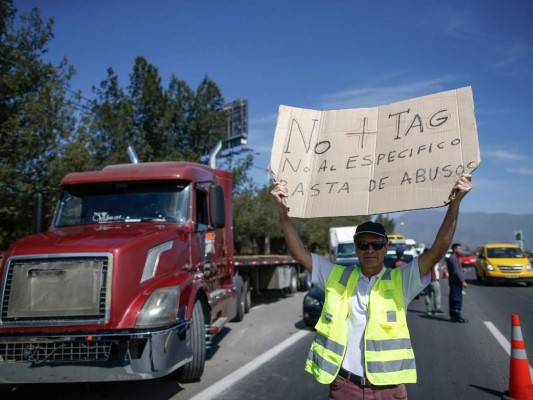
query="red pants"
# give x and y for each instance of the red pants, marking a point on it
(342, 389)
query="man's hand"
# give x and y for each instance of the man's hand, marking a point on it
(295, 245)
(446, 231)
(280, 193)
(461, 188)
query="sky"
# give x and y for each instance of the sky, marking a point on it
(325, 55)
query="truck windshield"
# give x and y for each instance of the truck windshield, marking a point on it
(115, 202)
(346, 250)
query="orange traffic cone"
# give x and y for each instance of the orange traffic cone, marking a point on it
(520, 385)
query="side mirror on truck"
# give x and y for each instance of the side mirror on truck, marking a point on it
(216, 205)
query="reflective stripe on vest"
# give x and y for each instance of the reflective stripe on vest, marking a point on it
(389, 357)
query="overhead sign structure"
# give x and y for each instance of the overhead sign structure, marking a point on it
(364, 161)
(237, 122)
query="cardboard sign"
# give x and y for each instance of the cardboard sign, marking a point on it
(364, 161)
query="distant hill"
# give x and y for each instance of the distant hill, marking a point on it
(473, 229)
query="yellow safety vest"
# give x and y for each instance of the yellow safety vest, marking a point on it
(389, 356)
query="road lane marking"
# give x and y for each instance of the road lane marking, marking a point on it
(502, 340)
(216, 389)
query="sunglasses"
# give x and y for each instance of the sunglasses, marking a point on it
(362, 245)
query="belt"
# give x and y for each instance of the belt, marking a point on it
(361, 380)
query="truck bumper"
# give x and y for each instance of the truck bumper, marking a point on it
(94, 357)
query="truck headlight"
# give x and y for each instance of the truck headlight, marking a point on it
(529, 268)
(490, 267)
(160, 309)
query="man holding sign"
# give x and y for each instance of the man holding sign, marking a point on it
(364, 161)
(362, 342)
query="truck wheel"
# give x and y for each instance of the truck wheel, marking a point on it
(193, 370)
(293, 281)
(238, 282)
(247, 297)
(241, 299)
(304, 283)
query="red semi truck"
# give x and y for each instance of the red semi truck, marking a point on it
(132, 280)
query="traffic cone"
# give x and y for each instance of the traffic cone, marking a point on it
(520, 385)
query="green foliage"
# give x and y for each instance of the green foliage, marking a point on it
(387, 222)
(36, 122)
(257, 222)
(47, 130)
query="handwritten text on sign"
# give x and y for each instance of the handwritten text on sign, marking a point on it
(363, 161)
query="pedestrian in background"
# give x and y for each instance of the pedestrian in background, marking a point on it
(433, 292)
(400, 260)
(456, 280)
(364, 313)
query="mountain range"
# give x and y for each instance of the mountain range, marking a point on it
(473, 228)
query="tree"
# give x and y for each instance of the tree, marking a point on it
(177, 121)
(36, 117)
(148, 103)
(109, 123)
(387, 222)
(46, 131)
(209, 122)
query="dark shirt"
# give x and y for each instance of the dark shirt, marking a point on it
(455, 270)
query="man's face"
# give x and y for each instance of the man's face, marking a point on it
(458, 250)
(371, 260)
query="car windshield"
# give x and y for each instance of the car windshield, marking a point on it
(153, 201)
(505, 252)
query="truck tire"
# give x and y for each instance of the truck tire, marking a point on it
(238, 282)
(247, 297)
(193, 370)
(241, 300)
(304, 283)
(293, 286)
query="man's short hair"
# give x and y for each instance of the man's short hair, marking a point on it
(455, 245)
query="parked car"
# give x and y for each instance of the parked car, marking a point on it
(314, 299)
(501, 262)
(312, 306)
(391, 258)
(468, 259)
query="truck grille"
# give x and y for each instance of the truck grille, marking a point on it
(41, 352)
(59, 290)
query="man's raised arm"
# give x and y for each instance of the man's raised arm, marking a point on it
(294, 243)
(446, 231)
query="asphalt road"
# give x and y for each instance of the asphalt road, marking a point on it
(455, 361)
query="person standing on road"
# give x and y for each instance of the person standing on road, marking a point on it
(400, 260)
(433, 292)
(456, 280)
(362, 347)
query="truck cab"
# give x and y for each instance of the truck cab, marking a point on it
(131, 280)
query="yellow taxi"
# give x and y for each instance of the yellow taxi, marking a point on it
(395, 236)
(502, 262)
